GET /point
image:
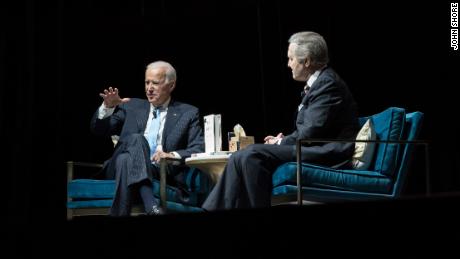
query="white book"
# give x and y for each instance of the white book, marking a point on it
(212, 154)
(212, 133)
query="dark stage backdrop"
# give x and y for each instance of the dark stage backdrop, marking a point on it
(57, 56)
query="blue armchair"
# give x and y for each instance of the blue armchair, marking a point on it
(396, 137)
(87, 197)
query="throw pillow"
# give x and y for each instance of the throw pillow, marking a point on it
(364, 151)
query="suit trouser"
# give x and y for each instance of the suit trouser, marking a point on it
(247, 178)
(131, 165)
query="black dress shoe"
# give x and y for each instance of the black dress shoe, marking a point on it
(156, 210)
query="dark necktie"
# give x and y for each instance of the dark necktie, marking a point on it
(156, 111)
(304, 92)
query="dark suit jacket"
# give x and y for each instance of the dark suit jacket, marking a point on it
(182, 132)
(329, 111)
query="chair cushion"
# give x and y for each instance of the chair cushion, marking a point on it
(197, 181)
(105, 189)
(318, 176)
(198, 187)
(364, 151)
(172, 194)
(89, 188)
(389, 125)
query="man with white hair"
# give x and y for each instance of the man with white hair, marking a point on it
(327, 110)
(148, 129)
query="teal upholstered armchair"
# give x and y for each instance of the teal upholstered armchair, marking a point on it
(396, 133)
(86, 196)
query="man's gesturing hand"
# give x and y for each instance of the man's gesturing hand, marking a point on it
(111, 97)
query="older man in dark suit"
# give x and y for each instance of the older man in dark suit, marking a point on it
(327, 110)
(149, 130)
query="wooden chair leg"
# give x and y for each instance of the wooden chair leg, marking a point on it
(163, 164)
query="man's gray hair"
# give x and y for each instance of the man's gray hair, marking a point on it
(310, 45)
(170, 71)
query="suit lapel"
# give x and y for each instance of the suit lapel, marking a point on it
(312, 88)
(143, 116)
(171, 119)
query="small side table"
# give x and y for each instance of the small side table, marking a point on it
(211, 164)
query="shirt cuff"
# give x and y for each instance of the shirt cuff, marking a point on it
(176, 155)
(104, 111)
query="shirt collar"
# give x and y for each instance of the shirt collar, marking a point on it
(312, 79)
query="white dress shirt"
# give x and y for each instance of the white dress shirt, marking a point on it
(105, 112)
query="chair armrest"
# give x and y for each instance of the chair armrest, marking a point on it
(70, 174)
(163, 170)
(299, 143)
(71, 166)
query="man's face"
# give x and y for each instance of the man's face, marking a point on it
(157, 89)
(299, 69)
